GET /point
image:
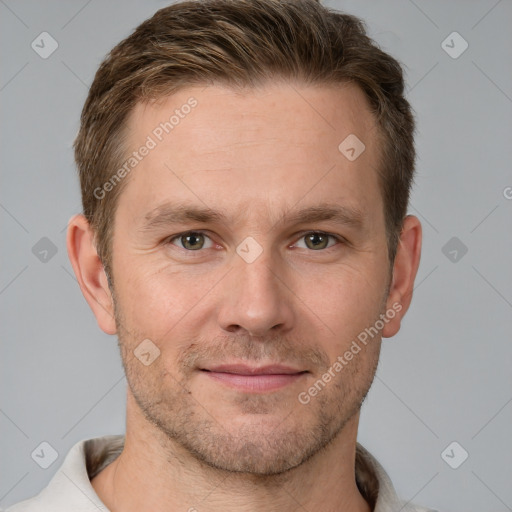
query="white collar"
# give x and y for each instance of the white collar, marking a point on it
(71, 489)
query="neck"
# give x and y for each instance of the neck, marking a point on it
(153, 473)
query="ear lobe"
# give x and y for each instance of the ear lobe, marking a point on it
(90, 273)
(405, 267)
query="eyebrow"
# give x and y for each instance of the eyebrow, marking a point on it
(169, 213)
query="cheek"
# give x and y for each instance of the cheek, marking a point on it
(158, 303)
(342, 304)
(343, 289)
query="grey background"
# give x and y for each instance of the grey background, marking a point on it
(445, 377)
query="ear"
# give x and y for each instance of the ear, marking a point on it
(90, 273)
(405, 267)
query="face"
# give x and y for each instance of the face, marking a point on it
(251, 252)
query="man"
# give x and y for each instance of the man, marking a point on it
(245, 170)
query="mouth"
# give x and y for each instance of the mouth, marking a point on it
(254, 379)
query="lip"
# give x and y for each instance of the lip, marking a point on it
(254, 379)
(244, 369)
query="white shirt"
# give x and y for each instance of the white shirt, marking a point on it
(70, 489)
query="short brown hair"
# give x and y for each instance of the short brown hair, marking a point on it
(240, 43)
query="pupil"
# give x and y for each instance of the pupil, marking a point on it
(317, 240)
(192, 241)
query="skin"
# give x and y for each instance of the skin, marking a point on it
(257, 156)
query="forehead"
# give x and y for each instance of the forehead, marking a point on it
(277, 144)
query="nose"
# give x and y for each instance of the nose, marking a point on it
(256, 298)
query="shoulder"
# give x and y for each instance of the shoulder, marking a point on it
(70, 488)
(376, 486)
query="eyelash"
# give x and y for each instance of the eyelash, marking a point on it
(338, 239)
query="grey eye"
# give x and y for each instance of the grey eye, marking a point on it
(192, 241)
(317, 241)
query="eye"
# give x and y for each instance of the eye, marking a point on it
(192, 241)
(318, 240)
